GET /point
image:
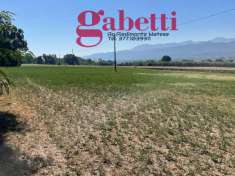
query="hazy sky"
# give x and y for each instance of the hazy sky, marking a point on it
(50, 25)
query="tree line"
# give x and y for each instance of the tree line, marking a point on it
(222, 62)
(68, 59)
(71, 59)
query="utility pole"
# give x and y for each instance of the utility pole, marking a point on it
(59, 59)
(115, 53)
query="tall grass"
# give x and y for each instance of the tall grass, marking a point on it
(4, 83)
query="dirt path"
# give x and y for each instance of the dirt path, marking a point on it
(25, 146)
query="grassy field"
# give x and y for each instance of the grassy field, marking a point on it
(134, 122)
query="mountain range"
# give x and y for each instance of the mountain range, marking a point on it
(216, 48)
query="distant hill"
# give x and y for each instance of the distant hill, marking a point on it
(216, 48)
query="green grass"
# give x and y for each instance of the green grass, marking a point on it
(127, 79)
(136, 121)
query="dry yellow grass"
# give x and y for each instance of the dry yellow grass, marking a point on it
(169, 124)
(194, 75)
(157, 133)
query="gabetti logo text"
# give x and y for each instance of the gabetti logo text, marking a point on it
(153, 22)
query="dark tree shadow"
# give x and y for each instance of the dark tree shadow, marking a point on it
(13, 163)
(8, 123)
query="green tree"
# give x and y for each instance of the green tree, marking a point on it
(50, 59)
(166, 59)
(12, 43)
(71, 59)
(39, 60)
(28, 58)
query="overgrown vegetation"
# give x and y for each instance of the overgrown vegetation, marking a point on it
(136, 121)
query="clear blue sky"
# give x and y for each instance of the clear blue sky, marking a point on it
(50, 25)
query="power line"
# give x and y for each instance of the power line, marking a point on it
(207, 17)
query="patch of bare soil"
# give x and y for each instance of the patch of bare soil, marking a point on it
(25, 147)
